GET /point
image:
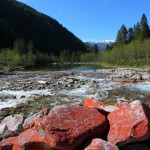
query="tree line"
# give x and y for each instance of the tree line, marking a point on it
(25, 54)
(132, 46)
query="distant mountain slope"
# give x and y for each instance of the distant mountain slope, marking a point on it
(101, 45)
(18, 20)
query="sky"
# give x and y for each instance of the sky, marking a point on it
(93, 20)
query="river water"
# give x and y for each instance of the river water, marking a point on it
(33, 90)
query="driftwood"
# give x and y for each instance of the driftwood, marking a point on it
(123, 81)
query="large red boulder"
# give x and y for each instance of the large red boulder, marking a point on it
(66, 127)
(7, 144)
(27, 140)
(89, 102)
(99, 144)
(129, 124)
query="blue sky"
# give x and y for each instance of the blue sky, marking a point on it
(93, 20)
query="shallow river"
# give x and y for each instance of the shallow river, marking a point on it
(32, 90)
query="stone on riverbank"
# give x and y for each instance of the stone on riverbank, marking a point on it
(14, 123)
(99, 144)
(89, 102)
(71, 127)
(67, 127)
(27, 140)
(30, 119)
(129, 124)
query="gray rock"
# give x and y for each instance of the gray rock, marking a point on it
(110, 108)
(14, 123)
(3, 128)
(10, 134)
(139, 77)
(29, 120)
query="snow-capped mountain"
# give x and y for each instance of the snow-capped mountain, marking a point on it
(101, 45)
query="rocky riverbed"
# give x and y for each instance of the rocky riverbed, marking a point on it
(26, 92)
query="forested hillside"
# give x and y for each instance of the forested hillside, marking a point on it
(25, 30)
(132, 47)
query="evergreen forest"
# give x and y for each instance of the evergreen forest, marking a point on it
(132, 46)
(28, 37)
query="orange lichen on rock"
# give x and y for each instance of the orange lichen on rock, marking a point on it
(27, 140)
(129, 124)
(67, 127)
(129, 81)
(89, 102)
(99, 144)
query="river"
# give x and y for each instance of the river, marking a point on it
(32, 90)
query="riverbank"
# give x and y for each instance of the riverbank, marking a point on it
(28, 91)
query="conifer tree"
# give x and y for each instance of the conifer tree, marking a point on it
(137, 31)
(145, 31)
(130, 35)
(95, 48)
(122, 35)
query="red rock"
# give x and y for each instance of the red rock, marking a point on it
(99, 144)
(129, 124)
(29, 140)
(37, 121)
(7, 144)
(122, 104)
(67, 127)
(123, 81)
(45, 111)
(92, 103)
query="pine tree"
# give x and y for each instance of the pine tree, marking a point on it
(137, 31)
(130, 35)
(95, 48)
(119, 38)
(145, 31)
(108, 48)
(122, 35)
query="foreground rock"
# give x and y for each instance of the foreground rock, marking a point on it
(67, 127)
(14, 123)
(27, 140)
(71, 127)
(129, 124)
(28, 121)
(99, 144)
(89, 102)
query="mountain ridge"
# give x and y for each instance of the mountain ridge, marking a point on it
(101, 45)
(17, 20)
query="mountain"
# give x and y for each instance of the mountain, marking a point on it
(101, 45)
(19, 21)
